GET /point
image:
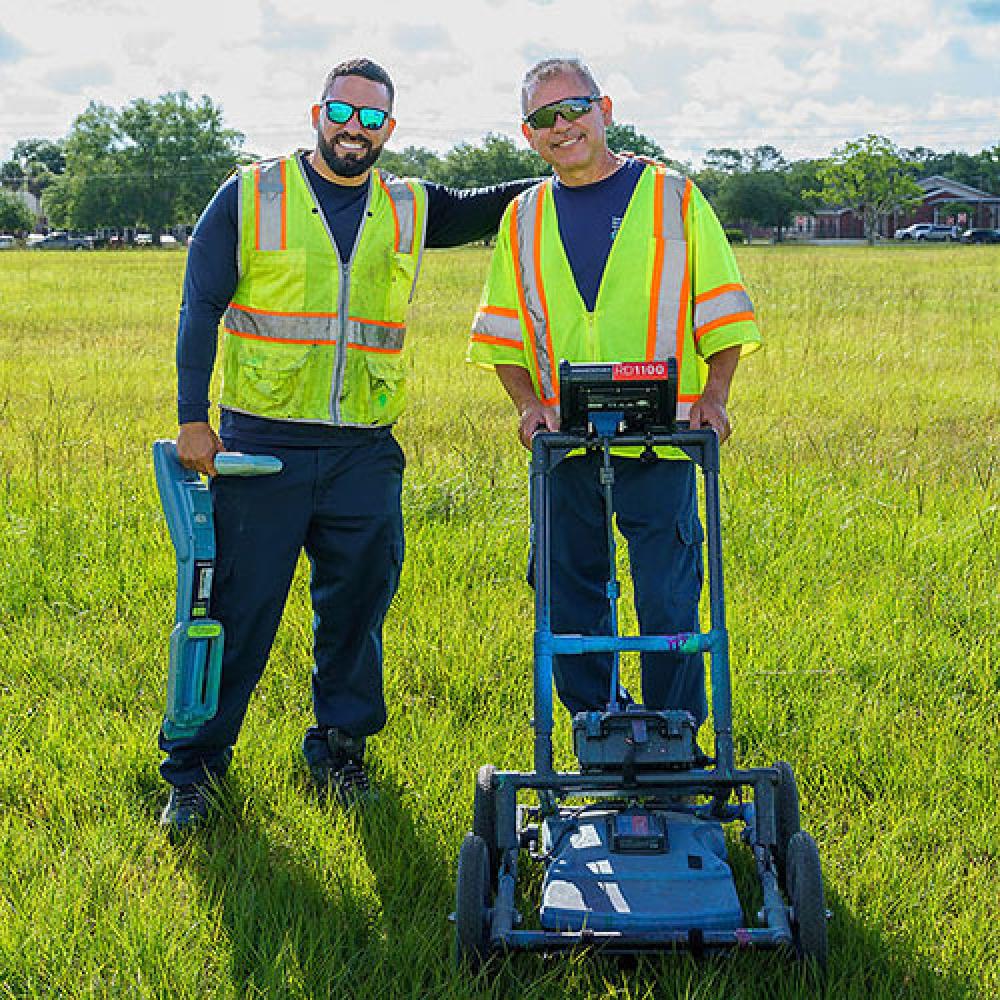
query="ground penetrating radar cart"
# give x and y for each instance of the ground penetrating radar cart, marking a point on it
(633, 844)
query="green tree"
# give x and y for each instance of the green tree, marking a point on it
(34, 164)
(413, 161)
(871, 176)
(151, 163)
(496, 160)
(759, 196)
(15, 216)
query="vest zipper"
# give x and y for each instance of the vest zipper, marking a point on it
(592, 350)
(343, 297)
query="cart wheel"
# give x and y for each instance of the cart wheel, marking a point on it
(786, 817)
(805, 893)
(472, 935)
(484, 818)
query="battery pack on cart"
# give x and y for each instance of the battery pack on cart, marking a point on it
(636, 739)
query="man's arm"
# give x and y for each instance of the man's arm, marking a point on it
(209, 282)
(710, 409)
(534, 415)
(456, 216)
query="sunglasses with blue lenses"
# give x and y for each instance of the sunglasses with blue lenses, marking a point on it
(569, 109)
(339, 112)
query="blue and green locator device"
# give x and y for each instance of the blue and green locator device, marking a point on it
(195, 659)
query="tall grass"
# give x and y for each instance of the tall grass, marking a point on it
(860, 493)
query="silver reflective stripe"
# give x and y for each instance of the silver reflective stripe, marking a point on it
(269, 326)
(673, 270)
(506, 328)
(527, 207)
(406, 211)
(382, 338)
(270, 203)
(721, 306)
(683, 410)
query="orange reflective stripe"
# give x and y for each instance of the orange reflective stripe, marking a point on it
(482, 338)
(275, 312)
(722, 321)
(377, 322)
(685, 282)
(284, 207)
(500, 311)
(256, 206)
(654, 300)
(721, 290)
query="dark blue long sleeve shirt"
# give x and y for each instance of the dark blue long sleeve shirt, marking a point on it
(454, 217)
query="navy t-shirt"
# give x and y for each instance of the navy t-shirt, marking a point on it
(454, 217)
(589, 219)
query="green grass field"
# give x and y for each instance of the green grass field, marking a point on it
(861, 496)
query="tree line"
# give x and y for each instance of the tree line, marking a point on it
(155, 164)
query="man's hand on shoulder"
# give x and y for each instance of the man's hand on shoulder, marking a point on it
(197, 446)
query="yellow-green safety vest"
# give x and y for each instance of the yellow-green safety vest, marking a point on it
(310, 337)
(649, 304)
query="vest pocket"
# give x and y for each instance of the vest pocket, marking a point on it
(387, 388)
(282, 381)
(401, 286)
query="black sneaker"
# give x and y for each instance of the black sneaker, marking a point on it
(338, 768)
(186, 809)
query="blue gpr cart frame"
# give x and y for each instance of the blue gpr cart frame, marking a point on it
(502, 827)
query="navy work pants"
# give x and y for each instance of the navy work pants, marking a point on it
(656, 509)
(341, 504)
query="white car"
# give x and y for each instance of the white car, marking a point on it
(911, 232)
(6, 242)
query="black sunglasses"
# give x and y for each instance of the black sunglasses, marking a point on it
(339, 112)
(569, 109)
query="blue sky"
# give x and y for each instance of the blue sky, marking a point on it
(800, 74)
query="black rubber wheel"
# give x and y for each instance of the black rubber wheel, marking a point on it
(786, 814)
(472, 932)
(805, 893)
(484, 818)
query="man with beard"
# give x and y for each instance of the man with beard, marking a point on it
(313, 260)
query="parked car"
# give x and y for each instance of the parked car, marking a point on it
(981, 236)
(910, 232)
(6, 242)
(62, 241)
(938, 234)
(146, 240)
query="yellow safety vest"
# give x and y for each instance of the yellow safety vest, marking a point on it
(650, 305)
(309, 337)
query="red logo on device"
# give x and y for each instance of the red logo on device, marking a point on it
(639, 371)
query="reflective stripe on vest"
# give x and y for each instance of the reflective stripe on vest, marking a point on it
(312, 328)
(725, 304)
(671, 280)
(668, 295)
(494, 325)
(270, 183)
(525, 243)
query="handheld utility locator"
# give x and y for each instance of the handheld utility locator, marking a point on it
(196, 640)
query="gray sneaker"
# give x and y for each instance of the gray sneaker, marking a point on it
(186, 809)
(338, 769)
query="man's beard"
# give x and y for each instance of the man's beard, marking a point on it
(347, 166)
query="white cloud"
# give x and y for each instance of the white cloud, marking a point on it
(802, 74)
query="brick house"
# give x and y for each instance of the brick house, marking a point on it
(941, 194)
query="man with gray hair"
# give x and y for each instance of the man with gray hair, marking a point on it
(613, 260)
